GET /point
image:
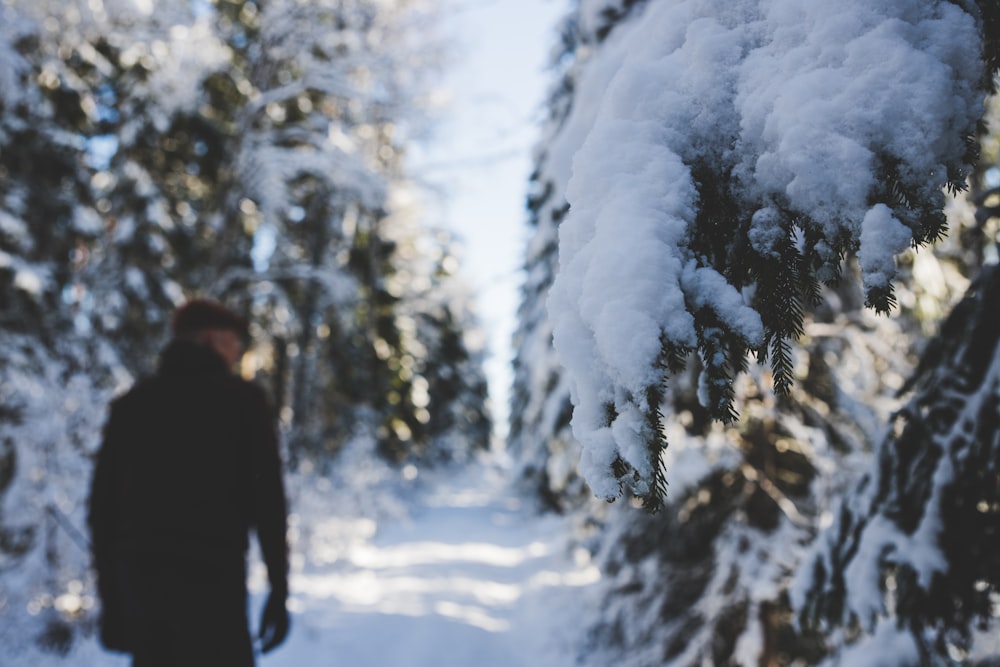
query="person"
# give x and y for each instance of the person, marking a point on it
(189, 464)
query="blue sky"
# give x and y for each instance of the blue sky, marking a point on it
(482, 156)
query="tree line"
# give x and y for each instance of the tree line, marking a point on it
(251, 152)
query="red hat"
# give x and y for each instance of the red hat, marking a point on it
(199, 314)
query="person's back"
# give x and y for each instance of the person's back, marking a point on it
(189, 464)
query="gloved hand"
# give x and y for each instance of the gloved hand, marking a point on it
(274, 621)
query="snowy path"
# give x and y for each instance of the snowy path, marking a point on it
(469, 579)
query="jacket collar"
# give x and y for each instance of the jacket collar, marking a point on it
(183, 357)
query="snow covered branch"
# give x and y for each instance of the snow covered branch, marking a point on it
(735, 154)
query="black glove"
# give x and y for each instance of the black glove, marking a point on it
(274, 622)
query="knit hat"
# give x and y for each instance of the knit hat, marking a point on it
(200, 314)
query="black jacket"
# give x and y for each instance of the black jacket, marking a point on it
(189, 464)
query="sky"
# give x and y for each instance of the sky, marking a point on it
(481, 157)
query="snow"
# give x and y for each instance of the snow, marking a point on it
(12, 65)
(466, 574)
(182, 60)
(801, 99)
(29, 280)
(888, 645)
(882, 237)
(810, 104)
(467, 579)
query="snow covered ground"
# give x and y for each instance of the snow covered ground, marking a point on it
(466, 576)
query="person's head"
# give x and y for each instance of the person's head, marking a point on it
(212, 325)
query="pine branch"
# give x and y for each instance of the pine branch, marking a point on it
(652, 500)
(782, 287)
(881, 299)
(673, 358)
(918, 209)
(782, 366)
(723, 355)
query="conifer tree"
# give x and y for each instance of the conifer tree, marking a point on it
(544, 449)
(910, 556)
(736, 219)
(912, 552)
(707, 580)
(319, 140)
(146, 157)
(54, 377)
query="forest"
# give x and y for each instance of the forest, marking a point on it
(756, 379)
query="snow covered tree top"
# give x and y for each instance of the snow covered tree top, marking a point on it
(736, 152)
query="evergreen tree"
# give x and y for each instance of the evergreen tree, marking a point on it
(54, 378)
(912, 555)
(707, 580)
(146, 157)
(156, 160)
(333, 92)
(446, 406)
(735, 217)
(540, 440)
(909, 558)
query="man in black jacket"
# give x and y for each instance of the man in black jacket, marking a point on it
(189, 464)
